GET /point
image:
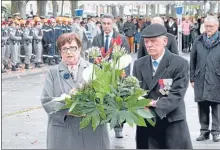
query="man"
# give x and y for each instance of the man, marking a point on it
(3, 46)
(172, 26)
(171, 45)
(104, 40)
(205, 78)
(130, 30)
(165, 76)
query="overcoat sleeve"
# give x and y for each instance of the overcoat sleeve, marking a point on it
(193, 59)
(52, 107)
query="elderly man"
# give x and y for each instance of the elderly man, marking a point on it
(205, 78)
(104, 40)
(165, 76)
(171, 45)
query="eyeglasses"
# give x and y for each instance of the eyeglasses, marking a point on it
(71, 49)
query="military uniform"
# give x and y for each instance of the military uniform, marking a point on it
(37, 39)
(28, 37)
(3, 47)
(14, 45)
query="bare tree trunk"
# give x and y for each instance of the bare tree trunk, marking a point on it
(147, 10)
(212, 8)
(74, 5)
(62, 7)
(173, 11)
(114, 11)
(219, 8)
(158, 9)
(41, 8)
(54, 3)
(153, 10)
(167, 10)
(121, 11)
(19, 7)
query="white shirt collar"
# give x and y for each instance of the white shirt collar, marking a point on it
(160, 58)
(110, 34)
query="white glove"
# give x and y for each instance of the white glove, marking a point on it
(62, 97)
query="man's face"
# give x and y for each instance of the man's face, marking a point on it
(107, 25)
(210, 27)
(129, 18)
(155, 46)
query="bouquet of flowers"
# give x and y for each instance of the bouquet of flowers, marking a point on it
(108, 94)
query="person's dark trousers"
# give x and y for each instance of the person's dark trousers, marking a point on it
(204, 119)
(186, 42)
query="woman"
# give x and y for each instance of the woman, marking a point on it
(63, 130)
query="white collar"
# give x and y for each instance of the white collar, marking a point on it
(110, 34)
(160, 58)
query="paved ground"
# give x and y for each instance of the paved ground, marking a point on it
(24, 121)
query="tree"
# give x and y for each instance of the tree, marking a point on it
(114, 11)
(55, 6)
(74, 5)
(121, 11)
(41, 8)
(19, 7)
(212, 7)
(167, 10)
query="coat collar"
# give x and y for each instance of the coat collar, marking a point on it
(63, 69)
(147, 73)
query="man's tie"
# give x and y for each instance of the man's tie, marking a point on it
(155, 63)
(106, 43)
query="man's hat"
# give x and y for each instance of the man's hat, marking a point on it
(154, 30)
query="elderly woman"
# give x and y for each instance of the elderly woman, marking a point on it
(63, 130)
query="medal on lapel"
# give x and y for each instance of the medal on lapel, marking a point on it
(165, 86)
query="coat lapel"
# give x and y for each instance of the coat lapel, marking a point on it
(63, 69)
(146, 71)
(162, 68)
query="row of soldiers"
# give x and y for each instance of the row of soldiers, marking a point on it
(34, 40)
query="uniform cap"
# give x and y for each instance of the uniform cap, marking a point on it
(154, 30)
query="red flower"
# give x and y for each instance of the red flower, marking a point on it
(161, 83)
(104, 54)
(98, 60)
(117, 41)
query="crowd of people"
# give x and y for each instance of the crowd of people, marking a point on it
(33, 41)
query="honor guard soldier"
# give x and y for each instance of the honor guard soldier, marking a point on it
(50, 41)
(66, 27)
(28, 37)
(37, 38)
(3, 45)
(7, 51)
(76, 27)
(15, 35)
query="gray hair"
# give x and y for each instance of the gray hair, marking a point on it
(108, 16)
(158, 20)
(212, 19)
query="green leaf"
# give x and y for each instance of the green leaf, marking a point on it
(100, 96)
(95, 122)
(108, 118)
(142, 103)
(113, 121)
(119, 99)
(129, 119)
(151, 122)
(145, 113)
(85, 122)
(101, 111)
(73, 105)
(138, 120)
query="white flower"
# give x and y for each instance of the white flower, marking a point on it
(62, 97)
(124, 61)
(140, 98)
(87, 73)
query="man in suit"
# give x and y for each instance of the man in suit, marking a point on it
(104, 40)
(172, 26)
(171, 45)
(165, 76)
(205, 78)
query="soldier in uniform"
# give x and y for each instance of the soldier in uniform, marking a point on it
(76, 27)
(15, 38)
(7, 51)
(50, 41)
(28, 37)
(66, 28)
(3, 45)
(37, 40)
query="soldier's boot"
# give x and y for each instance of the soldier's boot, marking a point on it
(18, 65)
(27, 66)
(39, 65)
(14, 68)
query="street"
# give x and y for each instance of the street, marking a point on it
(24, 122)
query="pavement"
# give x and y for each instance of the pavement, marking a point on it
(24, 121)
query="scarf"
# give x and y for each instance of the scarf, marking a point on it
(209, 42)
(73, 69)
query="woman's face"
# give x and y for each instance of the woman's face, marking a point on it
(70, 53)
